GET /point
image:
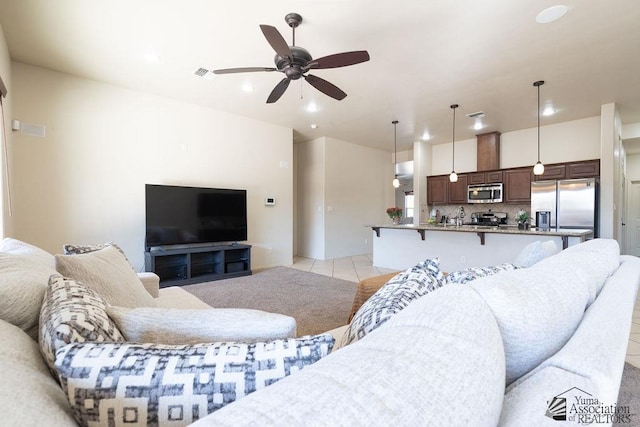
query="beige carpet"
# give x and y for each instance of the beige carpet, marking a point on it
(318, 303)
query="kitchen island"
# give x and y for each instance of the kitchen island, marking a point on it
(401, 246)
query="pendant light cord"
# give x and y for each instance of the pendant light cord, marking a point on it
(395, 147)
(538, 123)
(453, 139)
(6, 160)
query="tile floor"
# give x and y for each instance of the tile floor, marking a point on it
(360, 267)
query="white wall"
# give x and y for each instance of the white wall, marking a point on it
(343, 189)
(5, 72)
(559, 143)
(358, 192)
(84, 182)
(310, 171)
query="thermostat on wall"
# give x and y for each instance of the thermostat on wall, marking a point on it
(270, 201)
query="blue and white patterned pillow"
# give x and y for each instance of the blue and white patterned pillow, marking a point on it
(394, 296)
(71, 312)
(155, 384)
(473, 273)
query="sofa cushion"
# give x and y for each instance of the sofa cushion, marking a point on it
(438, 362)
(535, 252)
(538, 309)
(29, 396)
(186, 326)
(107, 272)
(23, 280)
(175, 385)
(473, 273)
(71, 312)
(394, 296)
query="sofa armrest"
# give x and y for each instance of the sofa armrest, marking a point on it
(151, 282)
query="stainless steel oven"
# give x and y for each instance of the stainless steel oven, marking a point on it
(484, 193)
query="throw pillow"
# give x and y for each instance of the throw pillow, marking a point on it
(15, 246)
(473, 273)
(71, 312)
(174, 385)
(535, 252)
(23, 280)
(107, 272)
(192, 326)
(70, 249)
(394, 296)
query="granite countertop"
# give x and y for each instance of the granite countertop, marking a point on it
(504, 229)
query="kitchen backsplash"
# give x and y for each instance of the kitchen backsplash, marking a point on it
(451, 211)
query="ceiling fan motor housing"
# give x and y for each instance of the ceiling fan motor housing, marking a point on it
(293, 69)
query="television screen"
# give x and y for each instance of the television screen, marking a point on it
(178, 215)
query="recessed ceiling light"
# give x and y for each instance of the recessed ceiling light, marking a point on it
(478, 125)
(314, 126)
(247, 87)
(152, 57)
(549, 111)
(426, 136)
(312, 108)
(552, 14)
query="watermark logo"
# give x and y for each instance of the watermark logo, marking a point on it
(557, 408)
(578, 406)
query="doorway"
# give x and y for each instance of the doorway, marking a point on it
(633, 219)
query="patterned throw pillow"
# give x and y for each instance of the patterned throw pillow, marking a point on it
(154, 384)
(473, 273)
(70, 313)
(394, 296)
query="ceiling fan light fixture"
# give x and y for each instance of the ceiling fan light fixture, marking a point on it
(312, 107)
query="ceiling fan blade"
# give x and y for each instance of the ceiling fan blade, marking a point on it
(277, 91)
(339, 60)
(276, 41)
(325, 87)
(243, 70)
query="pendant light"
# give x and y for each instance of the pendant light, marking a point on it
(396, 181)
(538, 169)
(454, 176)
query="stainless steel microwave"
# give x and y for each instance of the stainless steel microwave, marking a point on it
(484, 193)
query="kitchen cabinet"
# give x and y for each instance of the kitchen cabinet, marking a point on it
(484, 177)
(488, 151)
(457, 191)
(437, 189)
(588, 169)
(552, 172)
(517, 185)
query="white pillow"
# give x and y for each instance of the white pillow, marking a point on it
(193, 326)
(23, 280)
(107, 272)
(535, 252)
(14, 246)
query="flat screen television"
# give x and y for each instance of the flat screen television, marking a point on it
(177, 215)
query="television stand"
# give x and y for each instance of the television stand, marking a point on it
(188, 265)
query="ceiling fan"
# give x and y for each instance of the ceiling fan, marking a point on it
(295, 62)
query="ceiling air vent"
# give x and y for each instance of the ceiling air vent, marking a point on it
(476, 115)
(204, 73)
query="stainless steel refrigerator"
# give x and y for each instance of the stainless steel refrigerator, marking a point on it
(573, 203)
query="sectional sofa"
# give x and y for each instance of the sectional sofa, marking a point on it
(518, 347)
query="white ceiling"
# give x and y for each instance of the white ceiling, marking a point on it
(425, 55)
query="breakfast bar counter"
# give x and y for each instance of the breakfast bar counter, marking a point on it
(458, 247)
